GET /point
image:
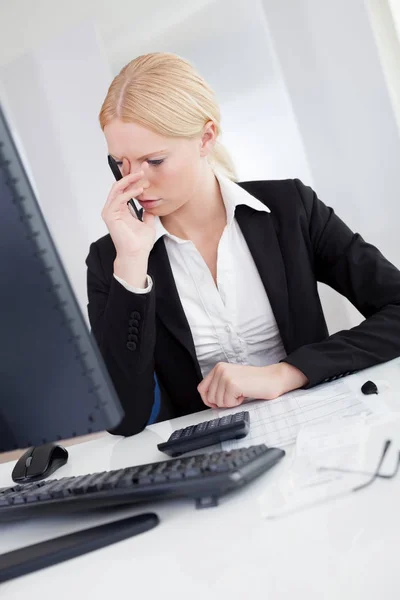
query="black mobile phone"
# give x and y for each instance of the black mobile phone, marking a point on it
(118, 175)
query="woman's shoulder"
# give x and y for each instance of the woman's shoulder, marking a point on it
(282, 195)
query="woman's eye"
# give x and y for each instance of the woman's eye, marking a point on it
(155, 163)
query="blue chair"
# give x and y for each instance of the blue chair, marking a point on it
(156, 405)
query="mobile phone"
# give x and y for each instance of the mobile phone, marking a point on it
(118, 175)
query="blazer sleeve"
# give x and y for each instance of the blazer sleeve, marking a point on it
(358, 271)
(123, 324)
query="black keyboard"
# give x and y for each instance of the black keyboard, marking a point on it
(204, 477)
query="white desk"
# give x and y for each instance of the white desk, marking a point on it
(344, 549)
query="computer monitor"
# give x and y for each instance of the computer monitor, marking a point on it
(53, 382)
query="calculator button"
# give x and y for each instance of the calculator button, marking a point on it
(188, 431)
(200, 428)
(225, 420)
(213, 424)
(238, 416)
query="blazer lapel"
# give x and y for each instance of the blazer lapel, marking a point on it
(168, 304)
(261, 237)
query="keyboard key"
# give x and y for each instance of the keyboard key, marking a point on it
(225, 420)
(97, 483)
(219, 467)
(160, 468)
(32, 497)
(192, 472)
(145, 479)
(187, 431)
(111, 481)
(125, 481)
(160, 478)
(44, 495)
(81, 486)
(175, 475)
(176, 466)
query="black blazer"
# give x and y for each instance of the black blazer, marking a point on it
(301, 241)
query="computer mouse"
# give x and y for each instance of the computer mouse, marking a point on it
(39, 462)
(369, 387)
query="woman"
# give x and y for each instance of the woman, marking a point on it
(216, 290)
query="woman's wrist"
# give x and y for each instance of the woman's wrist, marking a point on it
(132, 270)
(280, 378)
(291, 377)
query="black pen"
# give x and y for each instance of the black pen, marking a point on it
(118, 175)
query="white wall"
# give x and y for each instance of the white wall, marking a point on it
(52, 96)
(394, 6)
(387, 36)
(25, 25)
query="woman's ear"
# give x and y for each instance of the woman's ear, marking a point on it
(208, 138)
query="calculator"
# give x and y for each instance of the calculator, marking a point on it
(234, 426)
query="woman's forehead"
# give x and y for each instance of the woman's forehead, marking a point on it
(133, 140)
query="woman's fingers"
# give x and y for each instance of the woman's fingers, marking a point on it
(123, 185)
(130, 193)
(120, 202)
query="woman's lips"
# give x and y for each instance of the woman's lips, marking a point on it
(149, 203)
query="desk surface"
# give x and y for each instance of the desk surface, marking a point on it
(347, 548)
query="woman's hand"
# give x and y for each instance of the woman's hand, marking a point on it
(132, 238)
(227, 384)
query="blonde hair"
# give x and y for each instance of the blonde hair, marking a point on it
(163, 92)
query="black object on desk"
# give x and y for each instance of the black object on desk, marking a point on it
(204, 477)
(369, 387)
(51, 552)
(39, 462)
(229, 427)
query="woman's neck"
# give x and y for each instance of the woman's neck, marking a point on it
(202, 215)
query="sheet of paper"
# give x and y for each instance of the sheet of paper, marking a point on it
(277, 422)
(330, 459)
(328, 462)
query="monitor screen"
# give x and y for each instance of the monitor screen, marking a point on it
(53, 382)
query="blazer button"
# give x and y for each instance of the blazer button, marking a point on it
(133, 330)
(135, 315)
(133, 338)
(133, 322)
(131, 346)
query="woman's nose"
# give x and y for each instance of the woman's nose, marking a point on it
(145, 183)
(145, 179)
